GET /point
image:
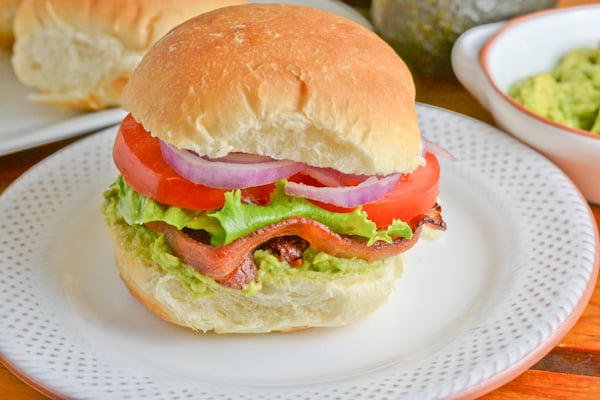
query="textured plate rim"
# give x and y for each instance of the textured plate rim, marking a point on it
(481, 387)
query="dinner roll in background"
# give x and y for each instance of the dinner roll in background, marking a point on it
(8, 9)
(80, 53)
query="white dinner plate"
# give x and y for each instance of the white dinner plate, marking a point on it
(474, 308)
(25, 124)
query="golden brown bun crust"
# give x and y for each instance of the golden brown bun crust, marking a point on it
(80, 53)
(280, 306)
(286, 81)
(8, 10)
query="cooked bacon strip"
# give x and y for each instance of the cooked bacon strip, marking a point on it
(232, 265)
(289, 249)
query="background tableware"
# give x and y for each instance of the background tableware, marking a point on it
(488, 59)
(25, 124)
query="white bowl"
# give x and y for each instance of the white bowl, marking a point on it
(489, 58)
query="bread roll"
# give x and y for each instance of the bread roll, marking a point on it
(284, 81)
(80, 53)
(281, 305)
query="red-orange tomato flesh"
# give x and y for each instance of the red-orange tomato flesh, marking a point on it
(138, 157)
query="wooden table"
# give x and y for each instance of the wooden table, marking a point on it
(570, 371)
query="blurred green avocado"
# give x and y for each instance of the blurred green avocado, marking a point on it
(423, 31)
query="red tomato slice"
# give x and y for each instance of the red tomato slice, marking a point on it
(138, 157)
(414, 194)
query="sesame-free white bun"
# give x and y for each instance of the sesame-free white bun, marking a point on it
(80, 53)
(281, 305)
(285, 81)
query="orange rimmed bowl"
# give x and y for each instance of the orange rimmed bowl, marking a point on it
(489, 58)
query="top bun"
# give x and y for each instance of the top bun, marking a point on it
(285, 81)
(80, 53)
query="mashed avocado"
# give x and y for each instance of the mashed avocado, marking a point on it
(152, 249)
(569, 94)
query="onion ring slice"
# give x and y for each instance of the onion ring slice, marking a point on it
(228, 174)
(369, 190)
(439, 151)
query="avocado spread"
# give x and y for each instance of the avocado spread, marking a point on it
(569, 94)
(126, 211)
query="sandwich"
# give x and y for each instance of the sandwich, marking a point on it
(79, 53)
(271, 172)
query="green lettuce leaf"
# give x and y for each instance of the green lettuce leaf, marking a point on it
(237, 219)
(137, 209)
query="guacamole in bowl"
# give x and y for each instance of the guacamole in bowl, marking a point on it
(569, 94)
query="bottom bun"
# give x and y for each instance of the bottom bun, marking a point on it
(281, 305)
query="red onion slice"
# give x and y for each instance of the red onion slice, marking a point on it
(332, 177)
(439, 151)
(224, 174)
(243, 158)
(367, 191)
